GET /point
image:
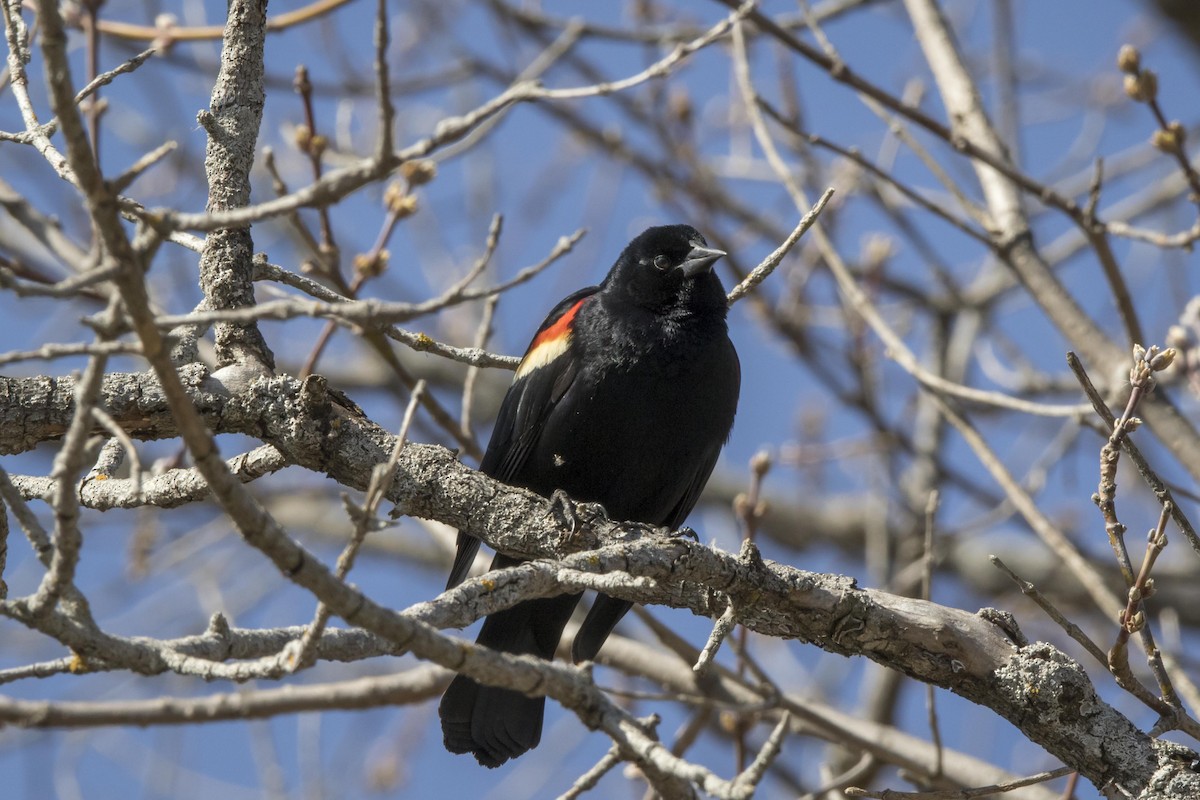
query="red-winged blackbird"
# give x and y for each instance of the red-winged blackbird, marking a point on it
(624, 398)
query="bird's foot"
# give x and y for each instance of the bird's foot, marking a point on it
(573, 515)
(687, 533)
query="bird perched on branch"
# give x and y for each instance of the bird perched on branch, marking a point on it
(624, 398)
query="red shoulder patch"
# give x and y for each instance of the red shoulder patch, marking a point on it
(550, 343)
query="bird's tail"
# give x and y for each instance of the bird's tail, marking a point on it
(603, 616)
(495, 724)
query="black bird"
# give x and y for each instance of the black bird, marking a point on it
(624, 398)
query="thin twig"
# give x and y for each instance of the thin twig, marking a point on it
(482, 334)
(721, 629)
(960, 794)
(1071, 629)
(382, 476)
(1157, 485)
(935, 732)
(768, 265)
(588, 780)
(119, 435)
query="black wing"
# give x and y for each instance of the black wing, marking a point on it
(543, 377)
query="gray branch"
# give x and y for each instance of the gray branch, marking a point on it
(232, 122)
(1040, 690)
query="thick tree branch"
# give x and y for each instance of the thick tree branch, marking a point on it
(232, 122)
(1036, 687)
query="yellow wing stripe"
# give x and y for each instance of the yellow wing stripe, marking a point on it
(549, 344)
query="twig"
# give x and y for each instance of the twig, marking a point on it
(1131, 619)
(1071, 629)
(126, 443)
(405, 688)
(768, 264)
(1156, 484)
(49, 352)
(749, 508)
(482, 333)
(165, 35)
(122, 181)
(383, 86)
(105, 78)
(935, 732)
(362, 312)
(960, 794)
(745, 783)
(3, 547)
(721, 629)
(39, 540)
(1141, 85)
(382, 476)
(312, 144)
(68, 539)
(866, 763)
(588, 780)
(858, 158)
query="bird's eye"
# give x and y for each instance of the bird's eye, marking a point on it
(662, 263)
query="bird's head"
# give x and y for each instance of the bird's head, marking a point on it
(667, 268)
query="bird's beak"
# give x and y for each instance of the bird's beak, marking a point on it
(700, 260)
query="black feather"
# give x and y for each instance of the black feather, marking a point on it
(625, 397)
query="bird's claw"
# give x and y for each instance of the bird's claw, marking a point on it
(687, 533)
(572, 515)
